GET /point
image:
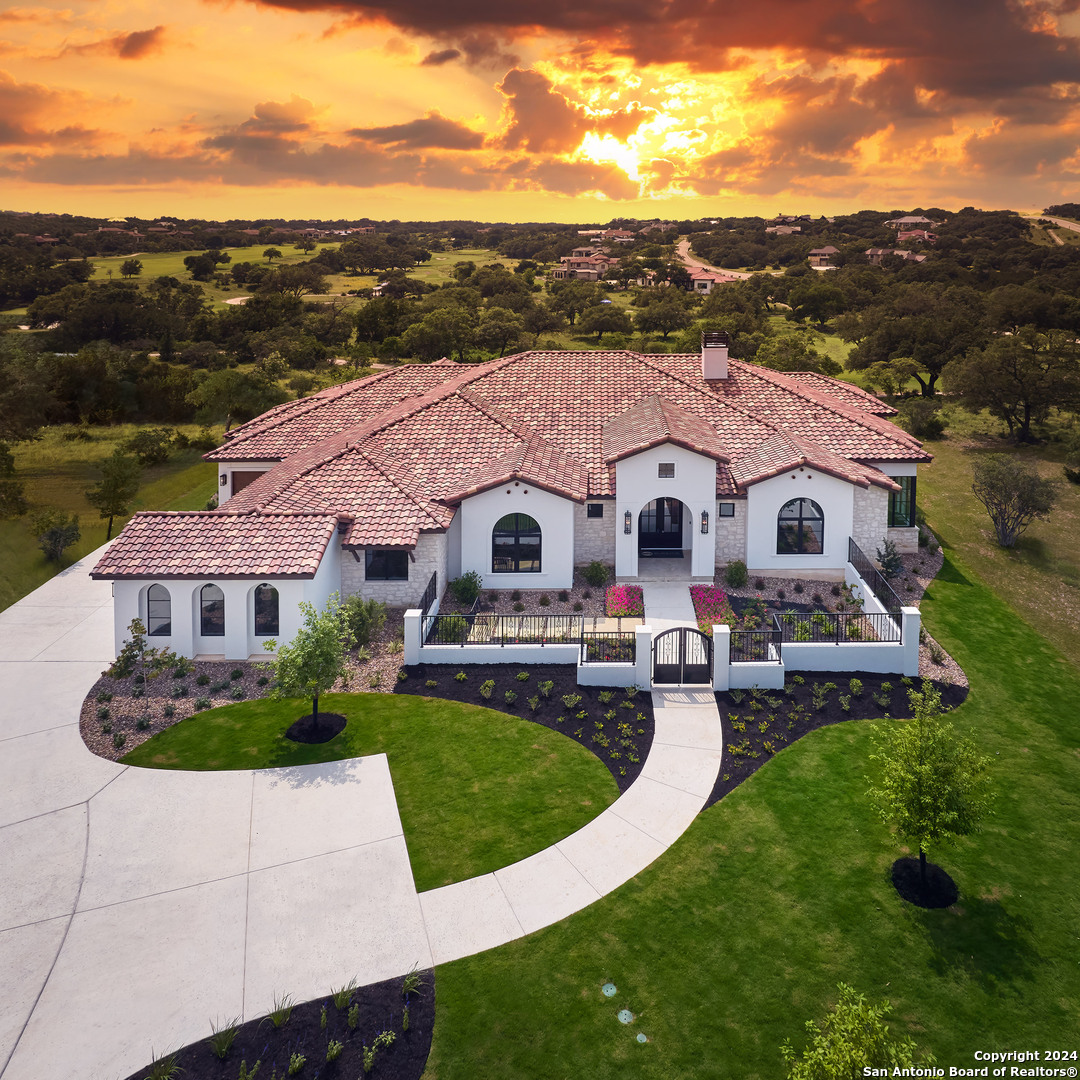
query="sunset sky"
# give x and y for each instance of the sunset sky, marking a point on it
(537, 109)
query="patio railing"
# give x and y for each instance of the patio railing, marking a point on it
(608, 647)
(873, 577)
(430, 593)
(491, 629)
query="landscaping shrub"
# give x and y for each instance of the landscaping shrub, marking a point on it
(466, 589)
(736, 574)
(596, 573)
(889, 559)
(365, 618)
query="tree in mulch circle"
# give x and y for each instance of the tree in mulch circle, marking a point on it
(932, 785)
(313, 661)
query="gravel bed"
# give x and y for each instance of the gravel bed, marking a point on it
(591, 598)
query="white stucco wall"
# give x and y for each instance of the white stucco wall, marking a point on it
(428, 557)
(594, 538)
(694, 484)
(239, 641)
(836, 499)
(555, 516)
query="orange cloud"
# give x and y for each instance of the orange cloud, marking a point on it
(131, 46)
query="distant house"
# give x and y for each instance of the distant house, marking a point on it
(824, 258)
(784, 230)
(875, 256)
(704, 281)
(916, 236)
(909, 221)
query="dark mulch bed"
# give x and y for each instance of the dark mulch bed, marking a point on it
(787, 715)
(938, 891)
(316, 729)
(592, 729)
(381, 1008)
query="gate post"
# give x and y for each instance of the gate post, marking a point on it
(721, 657)
(643, 657)
(413, 631)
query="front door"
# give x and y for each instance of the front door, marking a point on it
(660, 529)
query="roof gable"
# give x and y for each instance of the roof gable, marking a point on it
(655, 420)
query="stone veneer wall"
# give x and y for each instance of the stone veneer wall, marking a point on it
(905, 539)
(870, 519)
(730, 533)
(430, 555)
(594, 538)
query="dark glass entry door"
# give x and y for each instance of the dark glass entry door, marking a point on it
(660, 527)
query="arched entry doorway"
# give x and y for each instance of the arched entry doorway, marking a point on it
(660, 529)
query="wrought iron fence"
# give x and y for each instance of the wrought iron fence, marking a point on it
(598, 647)
(873, 577)
(838, 628)
(429, 594)
(754, 645)
(491, 629)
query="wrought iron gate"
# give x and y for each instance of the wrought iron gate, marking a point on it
(682, 655)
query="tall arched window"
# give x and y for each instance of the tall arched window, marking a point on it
(267, 623)
(212, 611)
(515, 545)
(158, 611)
(800, 528)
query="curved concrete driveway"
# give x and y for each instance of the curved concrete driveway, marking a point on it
(137, 905)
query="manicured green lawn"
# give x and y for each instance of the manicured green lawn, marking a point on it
(741, 931)
(58, 470)
(477, 789)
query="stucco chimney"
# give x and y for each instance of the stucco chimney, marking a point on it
(714, 350)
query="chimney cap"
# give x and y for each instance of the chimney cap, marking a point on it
(715, 337)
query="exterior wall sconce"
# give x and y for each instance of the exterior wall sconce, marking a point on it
(223, 479)
(627, 521)
(704, 521)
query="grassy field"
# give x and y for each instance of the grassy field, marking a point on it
(829, 344)
(58, 469)
(741, 931)
(477, 789)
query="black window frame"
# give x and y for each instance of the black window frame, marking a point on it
(207, 614)
(660, 474)
(268, 627)
(385, 567)
(163, 625)
(902, 500)
(725, 509)
(594, 510)
(521, 547)
(801, 522)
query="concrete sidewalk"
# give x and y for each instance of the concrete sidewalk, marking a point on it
(137, 905)
(668, 604)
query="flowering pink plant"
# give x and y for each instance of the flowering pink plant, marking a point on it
(625, 600)
(711, 607)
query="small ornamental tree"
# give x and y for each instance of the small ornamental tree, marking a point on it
(852, 1039)
(117, 487)
(313, 661)
(55, 531)
(1013, 493)
(932, 783)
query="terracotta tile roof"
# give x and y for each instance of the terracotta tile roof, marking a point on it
(654, 420)
(846, 392)
(534, 461)
(218, 543)
(784, 451)
(393, 450)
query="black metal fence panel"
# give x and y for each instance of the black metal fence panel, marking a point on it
(873, 578)
(598, 647)
(839, 628)
(747, 646)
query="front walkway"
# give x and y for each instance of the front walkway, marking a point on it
(668, 604)
(137, 905)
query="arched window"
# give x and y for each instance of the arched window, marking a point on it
(158, 611)
(212, 613)
(800, 528)
(515, 545)
(267, 623)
